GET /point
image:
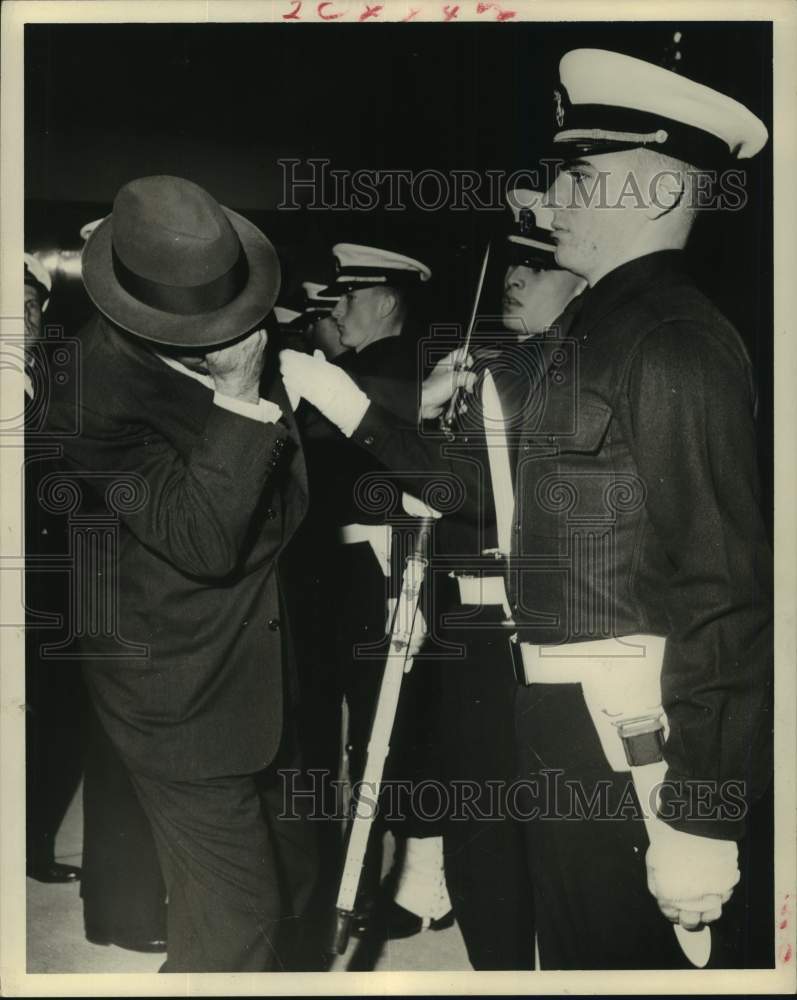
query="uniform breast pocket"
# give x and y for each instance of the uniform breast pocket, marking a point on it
(574, 485)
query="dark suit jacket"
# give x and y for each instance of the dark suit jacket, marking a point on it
(186, 669)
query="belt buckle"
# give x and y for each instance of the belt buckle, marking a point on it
(643, 739)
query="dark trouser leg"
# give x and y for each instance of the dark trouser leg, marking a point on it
(124, 895)
(301, 941)
(219, 862)
(56, 703)
(485, 859)
(593, 907)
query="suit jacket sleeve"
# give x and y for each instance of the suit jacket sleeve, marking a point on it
(195, 509)
(690, 425)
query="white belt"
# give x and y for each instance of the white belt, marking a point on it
(482, 590)
(378, 536)
(620, 679)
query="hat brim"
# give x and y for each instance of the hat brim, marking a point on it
(528, 256)
(245, 311)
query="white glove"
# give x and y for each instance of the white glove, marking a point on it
(326, 386)
(417, 508)
(419, 630)
(691, 877)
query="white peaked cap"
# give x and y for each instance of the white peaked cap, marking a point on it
(519, 199)
(610, 99)
(361, 266)
(530, 239)
(313, 291)
(285, 316)
(87, 229)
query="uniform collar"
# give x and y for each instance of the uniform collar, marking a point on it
(622, 284)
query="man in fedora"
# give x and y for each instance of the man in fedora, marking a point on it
(187, 449)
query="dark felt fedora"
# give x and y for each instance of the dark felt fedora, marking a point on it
(172, 265)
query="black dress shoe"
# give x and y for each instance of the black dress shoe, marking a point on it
(396, 922)
(52, 871)
(152, 946)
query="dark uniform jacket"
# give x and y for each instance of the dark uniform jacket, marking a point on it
(187, 671)
(386, 371)
(637, 511)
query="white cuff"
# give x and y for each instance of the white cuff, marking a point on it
(354, 412)
(263, 410)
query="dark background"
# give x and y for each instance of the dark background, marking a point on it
(220, 103)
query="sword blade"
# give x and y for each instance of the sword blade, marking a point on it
(498, 456)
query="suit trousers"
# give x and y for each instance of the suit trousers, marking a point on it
(124, 895)
(485, 860)
(586, 844)
(238, 872)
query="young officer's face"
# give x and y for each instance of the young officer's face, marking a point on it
(599, 204)
(534, 298)
(325, 336)
(356, 315)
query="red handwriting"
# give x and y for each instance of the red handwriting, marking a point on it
(448, 11)
(784, 947)
(370, 12)
(328, 17)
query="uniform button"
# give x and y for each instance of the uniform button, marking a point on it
(270, 514)
(368, 439)
(273, 624)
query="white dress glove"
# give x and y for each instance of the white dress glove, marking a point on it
(691, 877)
(326, 386)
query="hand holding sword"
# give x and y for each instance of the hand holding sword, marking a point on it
(448, 375)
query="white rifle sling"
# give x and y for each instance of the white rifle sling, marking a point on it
(501, 480)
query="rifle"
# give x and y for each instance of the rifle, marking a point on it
(399, 660)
